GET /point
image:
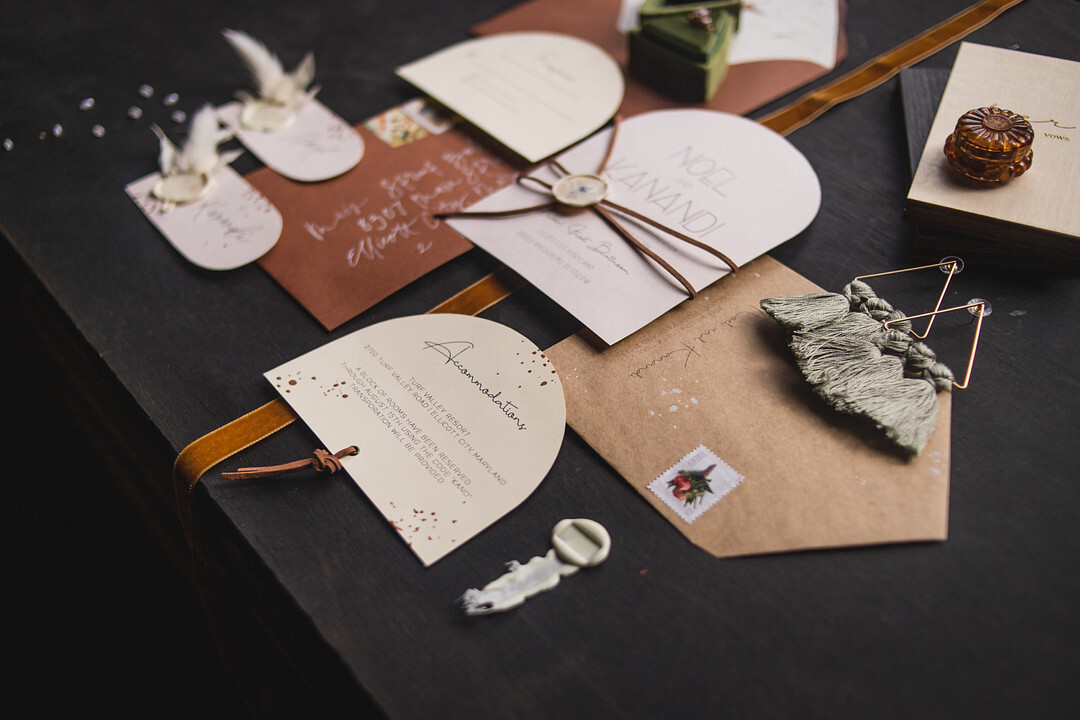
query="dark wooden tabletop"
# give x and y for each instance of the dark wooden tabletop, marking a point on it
(324, 608)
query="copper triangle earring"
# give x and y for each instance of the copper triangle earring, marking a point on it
(862, 357)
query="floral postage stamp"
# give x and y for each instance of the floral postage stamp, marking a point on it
(694, 484)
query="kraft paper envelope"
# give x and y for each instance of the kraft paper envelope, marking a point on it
(716, 372)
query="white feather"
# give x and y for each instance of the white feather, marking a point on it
(166, 152)
(266, 70)
(271, 81)
(199, 155)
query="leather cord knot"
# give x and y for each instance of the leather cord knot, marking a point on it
(321, 460)
(325, 462)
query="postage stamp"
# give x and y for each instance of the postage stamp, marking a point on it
(694, 484)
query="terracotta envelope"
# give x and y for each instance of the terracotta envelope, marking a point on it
(349, 242)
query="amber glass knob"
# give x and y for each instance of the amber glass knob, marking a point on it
(990, 146)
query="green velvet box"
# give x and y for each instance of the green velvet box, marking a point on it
(675, 52)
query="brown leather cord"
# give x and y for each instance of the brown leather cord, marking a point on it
(616, 122)
(321, 460)
(685, 238)
(640, 247)
(502, 213)
(601, 208)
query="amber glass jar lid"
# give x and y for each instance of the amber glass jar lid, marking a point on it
(990, 145)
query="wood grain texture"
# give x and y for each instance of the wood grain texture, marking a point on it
(980, 625)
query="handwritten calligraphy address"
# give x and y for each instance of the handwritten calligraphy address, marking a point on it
(352, 241)
(406, 202)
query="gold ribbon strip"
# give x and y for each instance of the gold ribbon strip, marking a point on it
(883, 67)
(196, 459)
(206, 452)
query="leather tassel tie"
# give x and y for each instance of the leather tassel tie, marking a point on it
(323, 461)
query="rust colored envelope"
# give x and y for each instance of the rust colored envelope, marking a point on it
(349, 242)
(747, 86)
(716, 371)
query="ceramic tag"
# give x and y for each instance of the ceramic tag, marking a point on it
(315, 145)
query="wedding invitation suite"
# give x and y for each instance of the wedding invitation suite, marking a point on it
(351, 241)
(536, 93)
(457, 419)
(705, 413)
(721, 179)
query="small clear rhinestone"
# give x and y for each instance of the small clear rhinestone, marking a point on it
(134, 112)
(170, 99)
(146, 91)
(57, 130)
(980, 307)
(8, 144)
(86, 104)
(178, 116)
(98, 131)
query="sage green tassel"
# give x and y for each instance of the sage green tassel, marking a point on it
(859, 366)
(806, 311)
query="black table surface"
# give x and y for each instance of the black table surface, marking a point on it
(983, 624)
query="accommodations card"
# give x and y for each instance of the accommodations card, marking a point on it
(457, 418)
(349, 242)
(705, 413)
(718, 178)
(536, 93)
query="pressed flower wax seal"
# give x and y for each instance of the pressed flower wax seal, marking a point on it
(989, 146)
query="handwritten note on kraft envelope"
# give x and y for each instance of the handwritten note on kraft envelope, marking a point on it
(349, 242)
(716, 372)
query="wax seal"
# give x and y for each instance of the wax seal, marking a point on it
(267, 117)
(989, 146)
(580, 190)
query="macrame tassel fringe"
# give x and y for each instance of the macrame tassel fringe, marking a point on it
(806, 311)
(861, 367)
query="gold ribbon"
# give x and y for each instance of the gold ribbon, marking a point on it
(196, 459)
(206, 452)
(883, 67)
